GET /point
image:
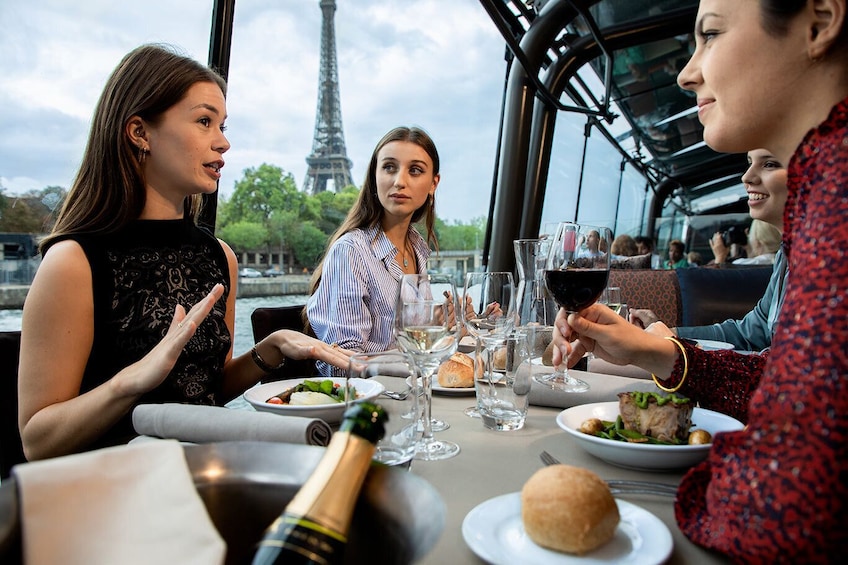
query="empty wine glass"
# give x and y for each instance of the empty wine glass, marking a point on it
(426, 329)
(491, 296)
(576, 274)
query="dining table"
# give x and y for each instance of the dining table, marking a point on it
(493, 463)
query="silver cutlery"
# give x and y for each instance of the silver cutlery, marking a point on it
(624, 486)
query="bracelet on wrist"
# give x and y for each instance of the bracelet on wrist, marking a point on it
(685, 368)
(262, 364)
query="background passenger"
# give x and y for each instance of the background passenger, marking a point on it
(765, 182)
(676, 258)
(763, 243)
(624, 246)
(104, 324)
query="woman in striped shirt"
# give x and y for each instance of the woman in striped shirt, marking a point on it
(354, 288)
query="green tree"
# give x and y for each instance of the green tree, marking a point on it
(308, 244)
(265, 196)
(32, 212)
(244, 236)
(333, 207)
(459, 236)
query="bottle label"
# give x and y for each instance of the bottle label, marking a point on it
(309, 541)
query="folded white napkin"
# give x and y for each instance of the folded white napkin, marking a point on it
(602, 388)
(207, 424)
(134, 504)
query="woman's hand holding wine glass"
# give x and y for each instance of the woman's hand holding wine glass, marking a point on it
(576, 274)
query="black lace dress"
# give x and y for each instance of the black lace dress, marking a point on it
(139, 275)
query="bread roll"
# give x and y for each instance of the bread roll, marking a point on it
(499, 359)
(456, 372)
(568, 509)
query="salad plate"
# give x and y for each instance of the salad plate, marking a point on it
(494, 531)
(366, 389)
(642, 456)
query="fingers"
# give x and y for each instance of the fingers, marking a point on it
(642, 317)
(200, 310)
(578, 350)
(332, 354)
(493, 308)
(660, 329)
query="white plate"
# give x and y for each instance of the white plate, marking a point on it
(446, 390)
(467, 345)
(642, 456)
(711, 345)
(494, 531)
(366, 389)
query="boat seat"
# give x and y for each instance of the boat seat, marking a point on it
(11, 450)
(268, 320)
(652, 289)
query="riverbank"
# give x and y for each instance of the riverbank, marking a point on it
(12, 296)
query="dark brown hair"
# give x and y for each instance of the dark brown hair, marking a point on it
(776, 15)
(109, 189)
(367, 210)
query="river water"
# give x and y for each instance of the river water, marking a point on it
(11, 319)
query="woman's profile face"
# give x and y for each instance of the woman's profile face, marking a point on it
(765, 183)
(745, 80)
(187, 144)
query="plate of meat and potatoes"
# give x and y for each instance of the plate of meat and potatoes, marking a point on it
(611, 441)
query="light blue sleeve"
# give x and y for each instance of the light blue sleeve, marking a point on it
(338, 310)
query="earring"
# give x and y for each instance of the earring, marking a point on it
(142, 153)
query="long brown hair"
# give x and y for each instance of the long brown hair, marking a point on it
(109, 189)
(367, 211)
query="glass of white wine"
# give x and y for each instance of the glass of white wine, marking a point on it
(426, 329)
(612, 298)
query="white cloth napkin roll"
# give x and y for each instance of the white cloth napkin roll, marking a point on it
(207, 424)
(602, 388)
(133, 504)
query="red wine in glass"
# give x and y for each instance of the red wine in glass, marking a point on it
(576, 289)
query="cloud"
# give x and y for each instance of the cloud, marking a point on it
(431, 63)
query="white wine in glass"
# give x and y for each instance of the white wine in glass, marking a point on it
(426, 329)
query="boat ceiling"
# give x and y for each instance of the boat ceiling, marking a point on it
(618, 60)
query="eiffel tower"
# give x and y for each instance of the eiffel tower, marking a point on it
(328, 160)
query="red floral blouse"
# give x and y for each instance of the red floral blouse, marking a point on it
(778, 490)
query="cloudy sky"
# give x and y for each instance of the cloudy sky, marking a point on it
(438, 64)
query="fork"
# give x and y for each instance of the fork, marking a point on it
(624, 486)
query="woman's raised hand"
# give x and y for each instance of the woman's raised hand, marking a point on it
(151, 370)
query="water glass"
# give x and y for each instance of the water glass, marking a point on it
(396, 372)
(503, 391)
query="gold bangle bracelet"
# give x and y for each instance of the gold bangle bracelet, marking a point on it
(685, 368)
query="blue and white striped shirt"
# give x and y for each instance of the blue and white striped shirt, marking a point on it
(354, 304)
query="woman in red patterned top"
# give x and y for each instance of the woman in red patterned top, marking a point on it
(778, 490)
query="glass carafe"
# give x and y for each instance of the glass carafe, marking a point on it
(534, 304)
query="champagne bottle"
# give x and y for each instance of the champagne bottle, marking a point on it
(313, 527)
